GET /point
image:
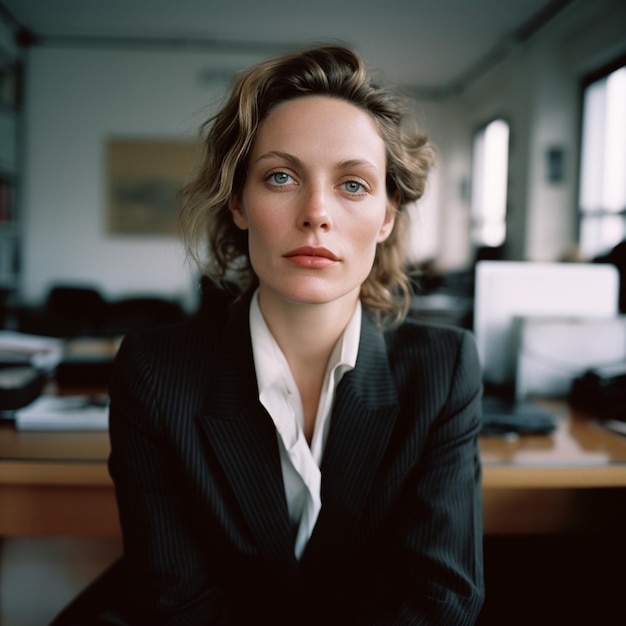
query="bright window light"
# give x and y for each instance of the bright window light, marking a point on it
(602, 196)
(490, 166)
(614, 188)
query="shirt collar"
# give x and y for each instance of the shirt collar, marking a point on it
(266, 350)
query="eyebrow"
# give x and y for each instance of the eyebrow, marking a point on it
(343, 165)
(281, 155)
(350, 163)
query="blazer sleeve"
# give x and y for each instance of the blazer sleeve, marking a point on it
(168, 582)
(435, 563)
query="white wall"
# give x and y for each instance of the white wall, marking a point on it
(445, 124)
(425, 224)
(75, 100)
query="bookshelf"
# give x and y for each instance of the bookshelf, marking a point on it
(10, 231)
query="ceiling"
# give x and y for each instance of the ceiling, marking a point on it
(432, 46)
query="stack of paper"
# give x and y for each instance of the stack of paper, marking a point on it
(64, 413)
(43, 353)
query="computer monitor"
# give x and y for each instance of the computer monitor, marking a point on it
(506, 290)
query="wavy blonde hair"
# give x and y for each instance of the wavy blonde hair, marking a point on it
(334, 71)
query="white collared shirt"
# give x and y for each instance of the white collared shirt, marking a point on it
(279, 395)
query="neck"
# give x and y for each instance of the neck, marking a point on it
(306, 333)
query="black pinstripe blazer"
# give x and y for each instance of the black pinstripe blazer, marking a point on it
(195, 461)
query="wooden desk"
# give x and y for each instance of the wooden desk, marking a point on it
(58, 484)
(568, 482)
(55, 484)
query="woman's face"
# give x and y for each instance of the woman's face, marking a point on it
(314, 201)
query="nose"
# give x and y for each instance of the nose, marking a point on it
(314, 212)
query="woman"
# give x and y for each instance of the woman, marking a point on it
(310, 457)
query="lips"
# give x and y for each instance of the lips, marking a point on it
(310, 257)
(312, 252)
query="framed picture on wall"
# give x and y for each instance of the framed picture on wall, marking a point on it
(144, 179)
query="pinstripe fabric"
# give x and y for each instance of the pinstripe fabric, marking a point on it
(206, 529)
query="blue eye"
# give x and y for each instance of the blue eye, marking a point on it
(353, 186)
(279, 178)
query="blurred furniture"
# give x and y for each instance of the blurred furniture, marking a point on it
(136, 313)
(447, 297)
(71, 311)
(68, 311)
(571, 481)
(617, 257)
(87, 362)
(6, 307)
(509, 290)
(442, 308)
(442, 298)
(553, 507)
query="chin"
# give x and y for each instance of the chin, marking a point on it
(312, 292)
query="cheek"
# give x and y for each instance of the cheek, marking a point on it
(262, 237)
(368, 233)
(257, 253)
(364, 245)
(261, 227)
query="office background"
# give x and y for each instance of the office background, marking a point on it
(79, 95)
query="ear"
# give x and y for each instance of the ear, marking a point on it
(390, 218)
(236, 209)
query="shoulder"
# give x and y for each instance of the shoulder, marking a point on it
(437, 372)
(431, 355)
(174, 341)
(427, 340)
(169, 356)
(160, 374)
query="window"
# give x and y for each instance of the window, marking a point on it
(602, 192)
(490, 166)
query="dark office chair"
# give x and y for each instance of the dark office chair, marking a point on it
(68, 311)
(140, 312)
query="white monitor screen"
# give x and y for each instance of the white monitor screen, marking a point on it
(506, 290)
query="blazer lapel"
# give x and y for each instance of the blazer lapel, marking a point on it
(365, 411)
(243, 437)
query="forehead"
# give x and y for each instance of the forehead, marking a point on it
(309, 120)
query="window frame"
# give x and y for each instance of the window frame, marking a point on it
(478, 223)
(601, 216)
